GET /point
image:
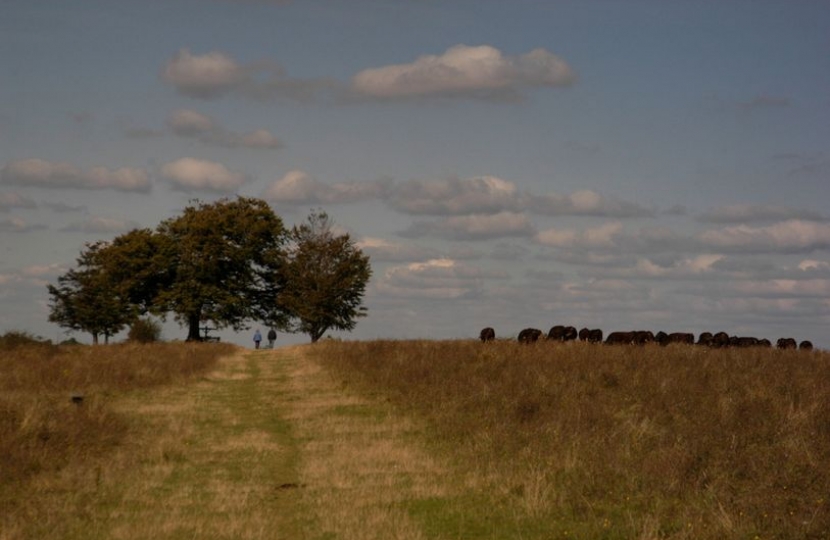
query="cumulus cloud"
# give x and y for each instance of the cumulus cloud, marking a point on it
(604, 236)
(436, 278)
(791, 236)
(380, 249)
(586, 203)
(454, 196)
(216, 74)
(480, 72)
(473, 227)
(101, 225)
(195, 125)
(203, 76)
(297, 187)
(45, 174)
(747, 213)
(190, 174)
(18, 225)
(8, 201)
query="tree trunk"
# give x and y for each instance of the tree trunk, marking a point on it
(193, 327)
(94, 338)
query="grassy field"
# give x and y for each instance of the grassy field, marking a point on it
(591, 441)
(413, 440)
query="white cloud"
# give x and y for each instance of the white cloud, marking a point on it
(192, 124)
(189, 174)
(604, 236)
(791, 236)
(216, 74)
(44, 174)
(203, 76)
(586, 203)
(436, 278)
(18, 225)
(9, 201)
(745, 213)
(380, 249)
(481, 72)
(474, 227)
(101, 225)
(187, 123)
(297, 187)
(453, 196)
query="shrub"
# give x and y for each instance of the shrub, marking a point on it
(144, 331)
(14, 339)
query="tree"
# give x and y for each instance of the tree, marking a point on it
(325, 280)
(223, 264)
(88, 299)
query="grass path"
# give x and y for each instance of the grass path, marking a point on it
(268, 446)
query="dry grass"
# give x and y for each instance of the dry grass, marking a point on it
(361, 464)
(619, 442)
(56, 451)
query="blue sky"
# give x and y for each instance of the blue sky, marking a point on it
(647, 164)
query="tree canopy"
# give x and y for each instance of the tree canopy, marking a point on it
(226, 263)
(325, 277)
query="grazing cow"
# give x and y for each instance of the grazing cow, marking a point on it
(764, 343)
(720, 340)
(805, 346)
(529, 335)
(556, 333)
(786, 343)
(487, 334)
(595, 336)
(641, 337)
(745, 342)
(675, 337)
(570, 334)
(620, 338)
(583, 334)
(705, 339)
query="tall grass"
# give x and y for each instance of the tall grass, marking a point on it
(55, 414)
(596, 441)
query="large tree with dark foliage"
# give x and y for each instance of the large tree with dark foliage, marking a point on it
(216, 263)
(325, 280)
(221, 264)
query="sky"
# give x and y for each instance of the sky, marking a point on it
(643, 164)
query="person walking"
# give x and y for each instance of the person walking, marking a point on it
(257, 338)
(272, 337)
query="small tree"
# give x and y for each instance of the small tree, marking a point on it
(88, 299)
(325, 280)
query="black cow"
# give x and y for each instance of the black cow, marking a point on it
(487, 334)
(675, 337)
(720, 340)
(745, 342)
(620, 338)
(529, 335)
(562, 333)
(583, 334)
(786, 343)
(705, 339)
(805, 346)
(595, 336)
(556, 333)
(641, 337)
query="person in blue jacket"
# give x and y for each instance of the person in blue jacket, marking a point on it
(257, 338)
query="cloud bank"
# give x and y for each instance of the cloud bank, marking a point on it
(44, 174)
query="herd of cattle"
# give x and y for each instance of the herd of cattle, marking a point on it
(642, 337)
